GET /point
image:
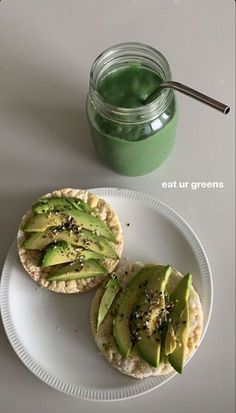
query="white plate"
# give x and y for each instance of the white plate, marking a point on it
(51, 332)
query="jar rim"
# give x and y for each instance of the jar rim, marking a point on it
(137, 50)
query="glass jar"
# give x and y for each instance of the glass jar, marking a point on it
(132, 141)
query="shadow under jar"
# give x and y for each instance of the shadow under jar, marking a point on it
(131, 137)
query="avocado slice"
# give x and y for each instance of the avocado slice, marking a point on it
(125, 304)
(112, 288)
(61, 252)
(148, 317)
(46, 204)
(40, 222)
(85, 239)
(77, 270)
(179, 322)
(170, 340)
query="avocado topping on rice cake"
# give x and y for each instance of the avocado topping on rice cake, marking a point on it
(147, 320)
(69, 240)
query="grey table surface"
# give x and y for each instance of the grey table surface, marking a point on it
(46, 50)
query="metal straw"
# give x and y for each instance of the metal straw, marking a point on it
(192, 93)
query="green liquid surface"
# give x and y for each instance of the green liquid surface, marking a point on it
(128, 86)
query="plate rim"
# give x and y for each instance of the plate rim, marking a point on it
(104, 394)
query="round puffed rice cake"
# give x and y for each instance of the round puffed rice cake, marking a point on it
(134, 365)
(30, 258)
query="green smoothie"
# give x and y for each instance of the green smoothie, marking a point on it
(128, 86)
(138, 146)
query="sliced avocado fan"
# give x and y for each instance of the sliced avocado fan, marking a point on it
(66, 230)
(148, 318)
